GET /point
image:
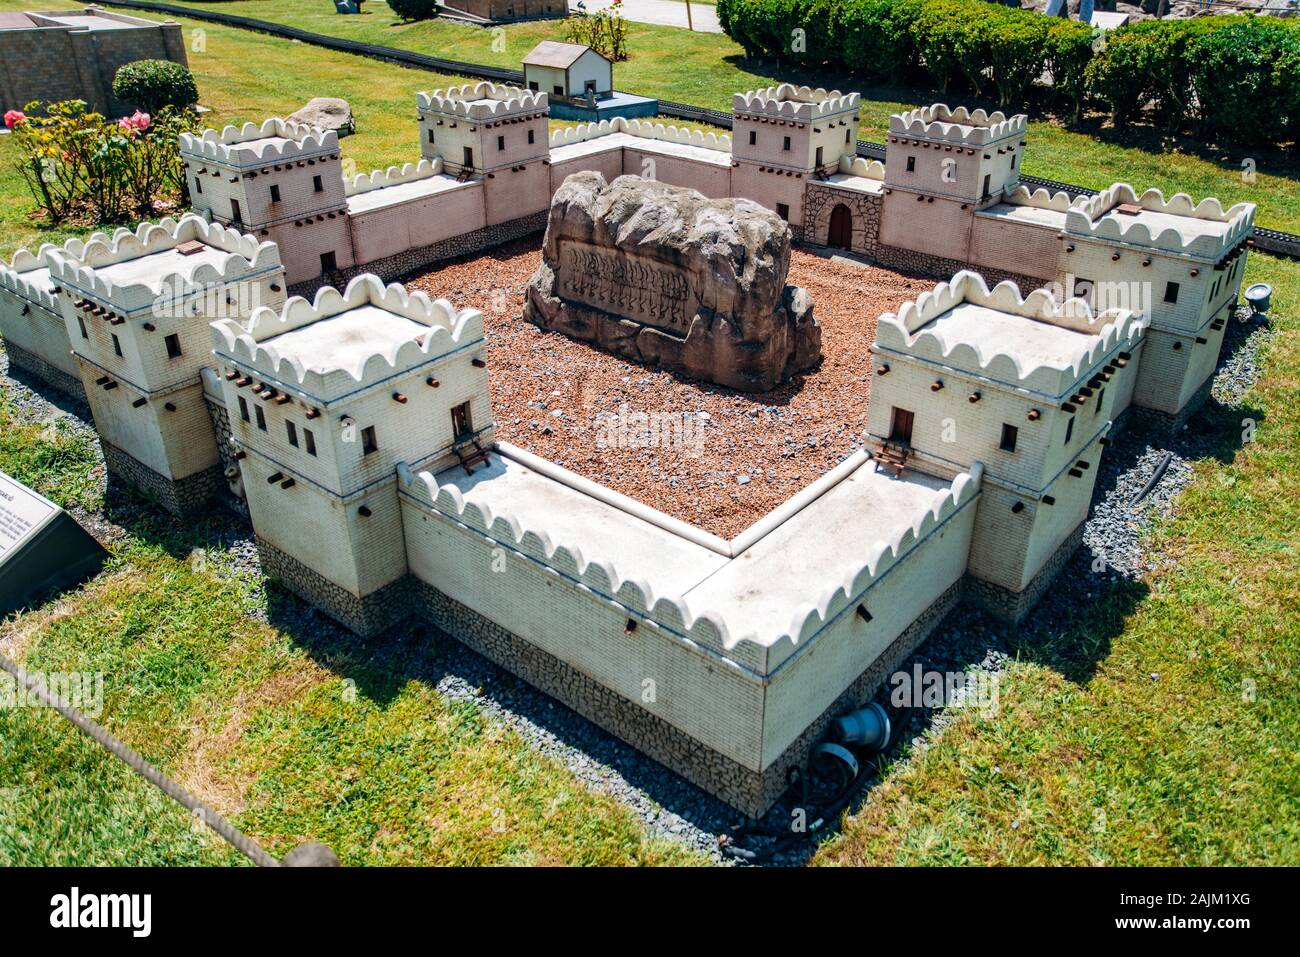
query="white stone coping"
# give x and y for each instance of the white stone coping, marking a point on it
(393, 176)
(598, 553)
(27, 276)
(1024, 360)
(795, 102)
(275, 141)
(861, 166)
(87, 267)
(646, 129)
(482, 100)
(941, 122)
(1177, 225)
(309, 365)
(1041, 199)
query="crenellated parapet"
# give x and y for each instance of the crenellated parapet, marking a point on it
(958, 126)
(1041, 199)
(482, 101)
(393, 176)
(1176, 225)
(860, 166)
(790, 102)
(265, 343)
(915, 330)
(226, 257)
(643, 128)
(275, 141)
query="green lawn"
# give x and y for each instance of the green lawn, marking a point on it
(349, 744)
(705, 69)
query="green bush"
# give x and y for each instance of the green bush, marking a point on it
(414, 9)
(872, 37)
(152, 84)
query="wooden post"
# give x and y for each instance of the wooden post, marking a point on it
(689, 24)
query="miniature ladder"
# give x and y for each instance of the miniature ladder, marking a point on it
(468, 462)
(894, 457)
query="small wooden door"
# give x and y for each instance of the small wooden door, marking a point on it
(840, 233)
(461, 422)
(902, 427)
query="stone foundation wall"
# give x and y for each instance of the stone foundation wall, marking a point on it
(864, 210)
(52, 375)
(185, 498)
(226, 453)
(365, 616)
(925, 264)
(1164, 423)
(394, 268)
(749, 791)
(1011, 606)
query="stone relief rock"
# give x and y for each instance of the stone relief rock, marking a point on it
(663, 275)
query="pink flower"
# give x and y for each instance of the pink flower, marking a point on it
(135, 123)
(14, 117)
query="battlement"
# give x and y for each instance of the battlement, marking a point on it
(721, 621)
(1176, 225)
(275, 141)
(643, 128)
(345, 341)
(482, 101)
(128, 271)
(27, 276)
(1041, 199)
(1033, 342)
(393, 176)
(791, 102)
(859, 166)
(941, 122)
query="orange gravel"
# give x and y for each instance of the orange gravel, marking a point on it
(708, 455)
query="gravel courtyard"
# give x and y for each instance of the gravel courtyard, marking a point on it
(708, 455)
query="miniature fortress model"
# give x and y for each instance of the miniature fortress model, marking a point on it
(360, 430)
(74, 55)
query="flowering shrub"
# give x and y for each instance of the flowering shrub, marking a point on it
(605, 31)
(81, 166)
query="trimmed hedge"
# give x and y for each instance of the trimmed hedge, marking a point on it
(1234, 76)
(152, 84)
(414, 9)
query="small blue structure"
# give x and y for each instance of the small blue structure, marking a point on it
(594, 110)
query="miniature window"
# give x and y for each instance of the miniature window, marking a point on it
(783, 210)
(462, 421)
(261, 418)
(1101, 397)
(848, 136)
(81, 324)
(318, 184)
(501, 142)
(243, 408)
(310, 441)
(275, 193)
(753, 137)
(117, 345)
(1009, 434)
(818, 161)
(1171, 292)
(559, 90)
(531, 136)
(785, 144)
(469, 156)
(368, 441)
(1013, 160)
(1069, 429)
(329, 262)
(236, 215)
(291, 431)
(173, 343)
(198, 185)
(430, 136)
(911, 164)
(532, 84)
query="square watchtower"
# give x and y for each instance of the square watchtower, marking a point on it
(497, 134)
(281, 181)
(1029, 388)
(136, 307)
(327, 399)
(784, 135)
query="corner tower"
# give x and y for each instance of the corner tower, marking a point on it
(327, 400)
